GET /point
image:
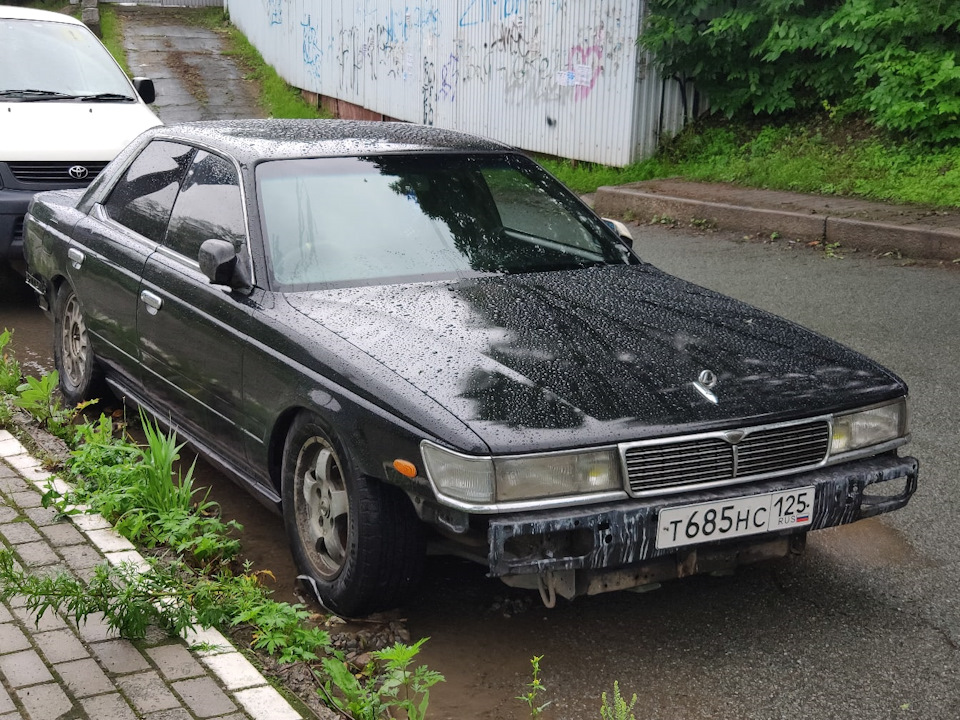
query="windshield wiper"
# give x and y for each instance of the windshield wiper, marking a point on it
(106, 97)
(32, 94)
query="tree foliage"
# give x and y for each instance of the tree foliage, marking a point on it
(895, 61)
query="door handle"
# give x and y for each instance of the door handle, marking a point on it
(76, 258)
(152, 301)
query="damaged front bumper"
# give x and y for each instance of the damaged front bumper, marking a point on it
(613, 546)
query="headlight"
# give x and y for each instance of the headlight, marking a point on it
(869, 427)
(526, 478)
(459, 476)
(488, 480)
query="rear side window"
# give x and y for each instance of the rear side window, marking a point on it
(144, 197)
(209, 207)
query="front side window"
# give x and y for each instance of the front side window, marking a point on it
(40, 60)
(209, 206)
(144, 196)
(393, 218)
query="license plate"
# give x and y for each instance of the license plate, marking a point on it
(736, 517)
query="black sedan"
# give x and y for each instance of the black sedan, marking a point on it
(398, 335)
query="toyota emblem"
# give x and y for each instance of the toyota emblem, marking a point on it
(78, 172)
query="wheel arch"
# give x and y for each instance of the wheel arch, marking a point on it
(337, 430)
(346, 430)
(55, 287)
(278, 440)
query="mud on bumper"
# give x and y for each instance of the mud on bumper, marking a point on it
(622, 536)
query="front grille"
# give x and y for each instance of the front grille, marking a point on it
(55, 172)
(714, 459)
(18, 230)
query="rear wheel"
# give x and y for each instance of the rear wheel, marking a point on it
(357, 539)
(80, 378)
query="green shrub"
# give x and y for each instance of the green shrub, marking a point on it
(893, 60)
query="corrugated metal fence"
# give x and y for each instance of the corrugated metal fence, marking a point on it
(563, 77)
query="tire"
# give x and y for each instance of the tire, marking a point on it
(357, 539)
(80, 378)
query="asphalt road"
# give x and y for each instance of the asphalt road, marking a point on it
(866, 624)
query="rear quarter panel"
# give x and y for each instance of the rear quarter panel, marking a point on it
(47, 232)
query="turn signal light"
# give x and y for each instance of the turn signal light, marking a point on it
(405, 467)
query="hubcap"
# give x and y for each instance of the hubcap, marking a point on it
(322, 507)
(74, 343)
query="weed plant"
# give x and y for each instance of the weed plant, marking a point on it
(617, 708)
(9, 367)
(535, 688)
(134, 488)
(390, 685)
(173, 596)
(40, 397)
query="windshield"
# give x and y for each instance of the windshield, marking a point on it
(42, 60)
(394, 218)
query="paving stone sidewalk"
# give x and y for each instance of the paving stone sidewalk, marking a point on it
(50, 668)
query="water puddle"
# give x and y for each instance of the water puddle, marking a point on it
(32, 343)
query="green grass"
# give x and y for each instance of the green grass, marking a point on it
(815, 155)
(113, 36)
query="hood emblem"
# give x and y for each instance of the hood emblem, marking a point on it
(705, 382)
(78, 172)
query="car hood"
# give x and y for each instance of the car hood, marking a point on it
(70, 131)
(578, 358)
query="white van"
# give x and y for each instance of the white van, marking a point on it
(66, 109)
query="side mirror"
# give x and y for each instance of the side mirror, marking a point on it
(145, 89)
(221, 264)
(620, 229)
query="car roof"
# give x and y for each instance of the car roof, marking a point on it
(9, 12)
(252, 140)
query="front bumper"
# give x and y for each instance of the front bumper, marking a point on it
(619, 535)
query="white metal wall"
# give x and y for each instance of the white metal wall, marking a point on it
(562, 77)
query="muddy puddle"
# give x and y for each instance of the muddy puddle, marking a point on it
(32, 342)
(870, 543)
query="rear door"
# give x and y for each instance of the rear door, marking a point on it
(112, 246)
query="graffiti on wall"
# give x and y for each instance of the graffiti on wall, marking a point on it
(481, 11)
(549, 51)
(312, 51)
(275, 11)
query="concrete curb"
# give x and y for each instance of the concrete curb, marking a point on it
(145, 678)
(916, 241)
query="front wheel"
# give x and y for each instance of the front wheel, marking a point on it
(357, 539)
(72, 353)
